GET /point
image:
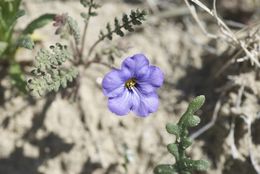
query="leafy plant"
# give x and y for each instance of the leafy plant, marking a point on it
(49, 76)
(10, 12)
(127, 22)
(135, 18)
(49, 71)
(183, 164)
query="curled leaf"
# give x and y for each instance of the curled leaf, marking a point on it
(39, 22)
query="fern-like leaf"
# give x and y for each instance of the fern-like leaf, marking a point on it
(91, 5)
(87, 3)
(183, 165)
(127, 22)
(49, 73)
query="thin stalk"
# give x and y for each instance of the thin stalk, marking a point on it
(83, 39)
(94, 45)
(85, 30)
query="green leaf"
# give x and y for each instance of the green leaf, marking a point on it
(192, 121)
(127, 22)
(14, 19)
(74, 29)
(196, 103)
(173, 149)
(38, 23)
(165, 169)
(19, 14)
(3, 46)
(183, 164)
(173, 129)
(25, 42)
(186, 142)
(93, 14)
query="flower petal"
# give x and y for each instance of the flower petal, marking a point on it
(145, 88)
(113, 82)
(142, 73)
(155, 78)
(120, 105)
(148, 104)
(117, 91)
(138, 64)
(135, 100)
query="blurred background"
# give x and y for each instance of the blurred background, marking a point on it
(54, 135)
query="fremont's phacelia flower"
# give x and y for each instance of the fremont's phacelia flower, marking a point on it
(133, 87)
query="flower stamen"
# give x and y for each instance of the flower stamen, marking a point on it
(130, 83)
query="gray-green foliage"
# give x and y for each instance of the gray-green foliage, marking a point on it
(39, 22)
(50, 73)
(127, 22)
(74, 29)
(183, 164)
(67, 26)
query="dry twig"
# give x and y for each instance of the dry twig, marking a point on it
(227, 34)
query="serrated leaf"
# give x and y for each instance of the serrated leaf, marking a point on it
(49, 73)
(135, 18)
(38, 23)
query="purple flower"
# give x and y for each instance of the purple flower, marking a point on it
(133, 87)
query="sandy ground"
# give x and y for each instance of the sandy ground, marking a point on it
(52, 136)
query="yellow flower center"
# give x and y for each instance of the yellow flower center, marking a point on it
(130, 83)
